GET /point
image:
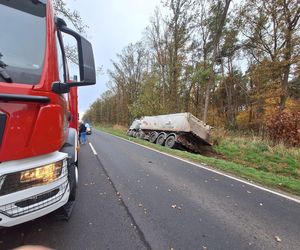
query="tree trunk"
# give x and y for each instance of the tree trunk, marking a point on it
(216, 42)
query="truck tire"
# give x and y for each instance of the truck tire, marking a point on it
(73, 181)
(153, 136)
(170, 141)
(65, 211)
(161, 139)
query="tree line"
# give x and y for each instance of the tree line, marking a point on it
(233, 64)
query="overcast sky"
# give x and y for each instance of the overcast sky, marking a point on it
(113, 24)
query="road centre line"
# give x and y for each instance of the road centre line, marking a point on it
(93, 149)
(213, 170)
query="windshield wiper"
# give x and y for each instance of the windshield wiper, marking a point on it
(3, 73)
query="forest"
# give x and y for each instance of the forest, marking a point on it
(233, 64)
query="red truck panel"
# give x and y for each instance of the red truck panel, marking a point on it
(35, 128)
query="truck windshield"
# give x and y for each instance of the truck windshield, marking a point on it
(23, 39)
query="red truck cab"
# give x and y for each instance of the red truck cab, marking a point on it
(38, 111)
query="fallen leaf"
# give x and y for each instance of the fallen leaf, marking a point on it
(169, 190)
(277, 238)
(174, 206)
(249, 192)
(179, 208)
(140, 205)
(261, 204)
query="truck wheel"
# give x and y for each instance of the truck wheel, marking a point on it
(73, 181)
(161, 139)
(153, 136)
(170, 141)
(65, 212)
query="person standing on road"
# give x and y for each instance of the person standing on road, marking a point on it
(82, 132)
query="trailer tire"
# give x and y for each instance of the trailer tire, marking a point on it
(153, 136)
(161, 139)
(140, 135)
(170, 141)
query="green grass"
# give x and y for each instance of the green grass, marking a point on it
(251, 159)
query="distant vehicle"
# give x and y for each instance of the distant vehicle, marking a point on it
(88, 129)
(180, 130)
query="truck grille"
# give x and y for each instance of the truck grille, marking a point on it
(34, 203)
(2, 125)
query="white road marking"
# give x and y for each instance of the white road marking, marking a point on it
(214, 171)
(93, 149)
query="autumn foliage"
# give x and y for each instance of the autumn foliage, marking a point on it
(285, 127)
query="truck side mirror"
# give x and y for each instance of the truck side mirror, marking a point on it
(85, 55)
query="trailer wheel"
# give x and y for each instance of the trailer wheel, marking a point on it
(161, 139)
(140, 135)
(153, 136)
(170, 141)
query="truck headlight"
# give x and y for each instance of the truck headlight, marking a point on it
(33, 177)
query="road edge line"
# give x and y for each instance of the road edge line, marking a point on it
(213, 170)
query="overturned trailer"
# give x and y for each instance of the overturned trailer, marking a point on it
(180, 130)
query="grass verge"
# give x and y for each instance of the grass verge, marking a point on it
(251, 160)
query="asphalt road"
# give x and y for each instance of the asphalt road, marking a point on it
(131, 197)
